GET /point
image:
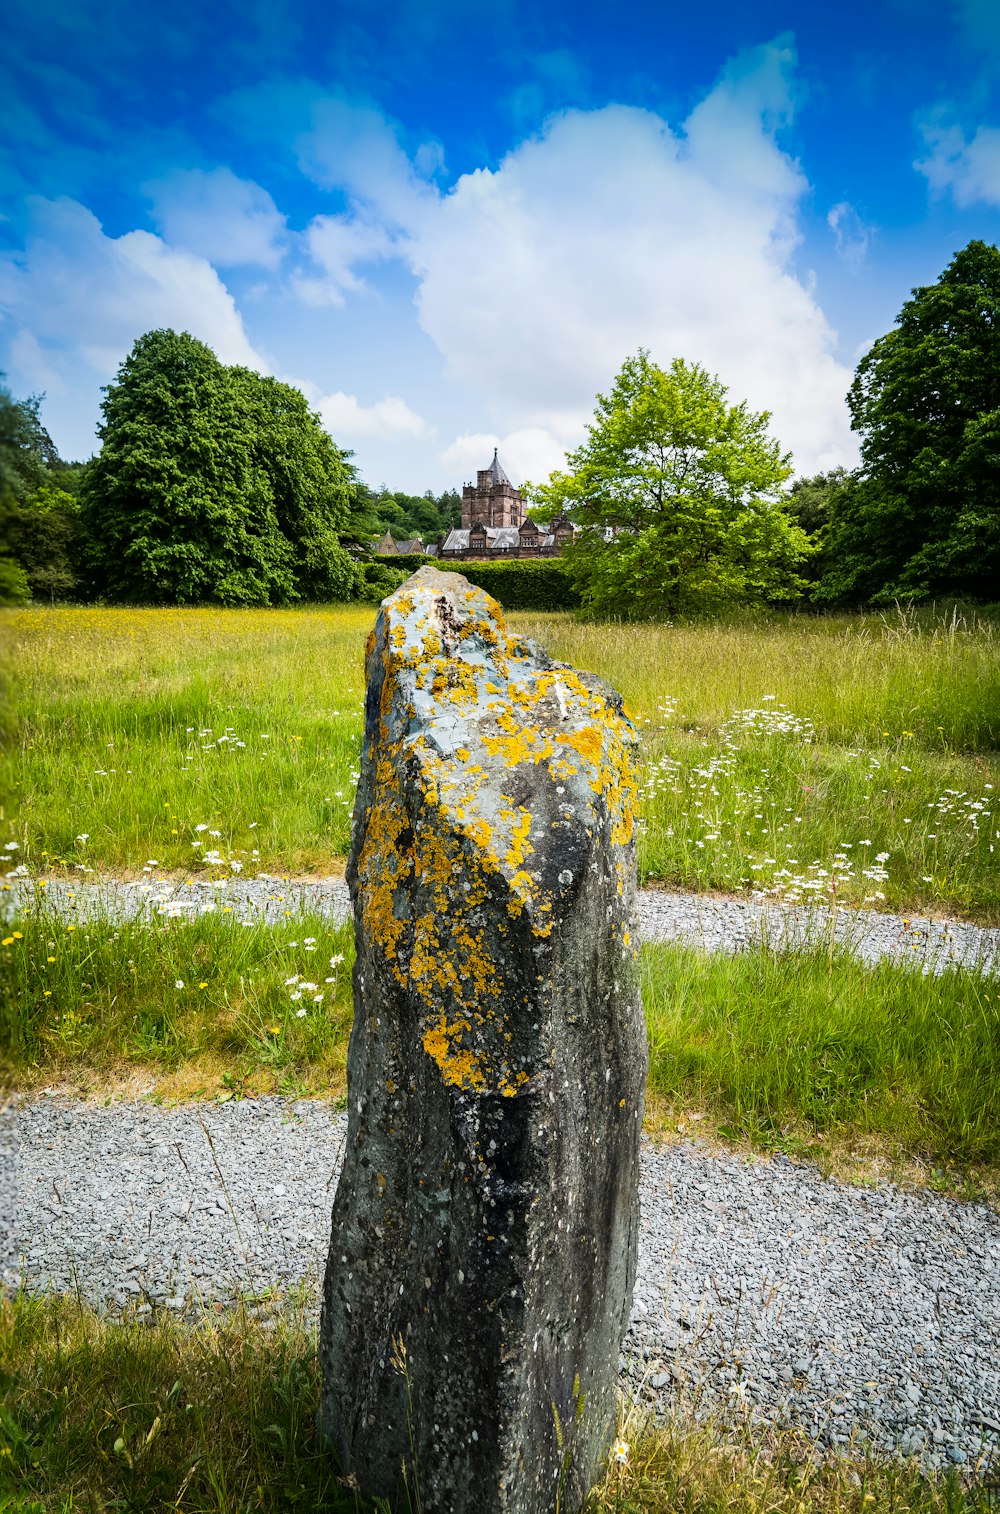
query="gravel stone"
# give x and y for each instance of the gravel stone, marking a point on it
(713, 922)
(762, 1289)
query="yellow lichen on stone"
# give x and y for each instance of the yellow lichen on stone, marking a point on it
(459, 1067)
(520, 847)
(426, 860)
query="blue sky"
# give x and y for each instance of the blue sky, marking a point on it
(450, 223)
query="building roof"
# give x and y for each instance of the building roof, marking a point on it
(496, 471)
(389, 548)
(498, 539)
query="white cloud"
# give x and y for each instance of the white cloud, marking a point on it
(850, 232)
(339, 245)
(346, 418)
(28, 359)
(606, 231)
(354, 148)
(969, 169)
(227, 220)
(76, 294)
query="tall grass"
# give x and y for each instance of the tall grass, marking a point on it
(760, 1044)
(220, 1418)
(145, 738)
(130, 1415)
(783, 757)
(216, 1006)
(812, 1040)
(854, 676)
(131, 728)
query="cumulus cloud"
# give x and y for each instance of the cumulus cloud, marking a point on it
(339, 246)
(354, 148)
(850, 232)
(606, 231)
(346, 418)
(75, 293)
(968, 168)
(224, 219)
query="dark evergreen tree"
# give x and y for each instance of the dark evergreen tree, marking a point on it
(39, 519)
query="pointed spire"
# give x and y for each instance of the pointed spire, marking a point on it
(496, 470)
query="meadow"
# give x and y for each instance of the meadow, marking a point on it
(806, 1051)
(150, 1413)
(845, 758)
(841, 757)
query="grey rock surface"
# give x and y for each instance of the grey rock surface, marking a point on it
(486, 1218)
(762, 1289)
(711, 921)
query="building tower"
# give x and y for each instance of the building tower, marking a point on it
(493, 501)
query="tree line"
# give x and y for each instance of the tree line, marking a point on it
(217, 485)
(683, 501)
(213, 485)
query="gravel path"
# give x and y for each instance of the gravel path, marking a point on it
(761, 1286)
(718, 924)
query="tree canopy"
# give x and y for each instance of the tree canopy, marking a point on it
(27, 452)
(39, 516)
(679, 497)
(213, 485)
(426, 515)
(922, 516)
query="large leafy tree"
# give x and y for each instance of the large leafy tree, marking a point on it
(27, 452)
(39, 516)
(678, 494)
(922, 516)
(310, 482)
(213, 485)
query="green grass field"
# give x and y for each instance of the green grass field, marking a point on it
(807, 1050)
(220, 1416)
(840, 757)
(846, 758)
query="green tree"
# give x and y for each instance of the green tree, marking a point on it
(310, 482)
(39, 518)
(425, 515)
(14, 588)
(213, 485)
(922, 515)
(678, 495)
(44, 536)
(810, 499)
(27, 451)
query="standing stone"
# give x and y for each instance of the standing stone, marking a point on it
(485, 1224)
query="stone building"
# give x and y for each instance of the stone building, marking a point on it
(387, 547)
(495, 525)
(494, 501)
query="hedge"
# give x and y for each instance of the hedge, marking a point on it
(534, 584)
(410, 561)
